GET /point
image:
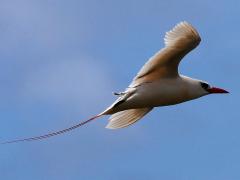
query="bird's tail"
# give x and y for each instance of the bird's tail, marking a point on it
(53, 133)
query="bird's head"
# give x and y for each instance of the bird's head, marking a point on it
(210, 89)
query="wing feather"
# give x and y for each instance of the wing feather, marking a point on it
(178, 42)
(125, 118)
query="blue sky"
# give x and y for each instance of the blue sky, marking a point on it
(59, 63)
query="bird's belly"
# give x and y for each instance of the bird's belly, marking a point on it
(153, 95)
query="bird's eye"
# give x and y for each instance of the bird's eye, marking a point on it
(205, 85)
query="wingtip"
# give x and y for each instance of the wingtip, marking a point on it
(182, 29)
(109, 127)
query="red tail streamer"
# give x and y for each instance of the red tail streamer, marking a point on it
(53, 133)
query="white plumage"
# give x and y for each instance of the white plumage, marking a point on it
(127, 117)
(158, 83)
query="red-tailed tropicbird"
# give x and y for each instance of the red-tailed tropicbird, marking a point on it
(158, 83)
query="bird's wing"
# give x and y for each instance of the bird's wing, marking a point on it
(178, 42)
(125, 118)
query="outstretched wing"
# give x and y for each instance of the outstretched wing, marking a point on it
(125, 118)
(178, 42)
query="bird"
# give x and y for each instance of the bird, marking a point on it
(158, 83)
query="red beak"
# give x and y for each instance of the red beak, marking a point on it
(217, 90)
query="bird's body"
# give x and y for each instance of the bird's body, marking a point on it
(163, 92)
(158, 83)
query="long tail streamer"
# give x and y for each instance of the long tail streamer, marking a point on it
(53, 133)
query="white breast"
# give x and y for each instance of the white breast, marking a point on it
(164, 92)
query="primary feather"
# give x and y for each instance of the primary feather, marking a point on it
(126, 118)
(164, 64)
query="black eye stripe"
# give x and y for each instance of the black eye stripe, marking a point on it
(204, 85)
